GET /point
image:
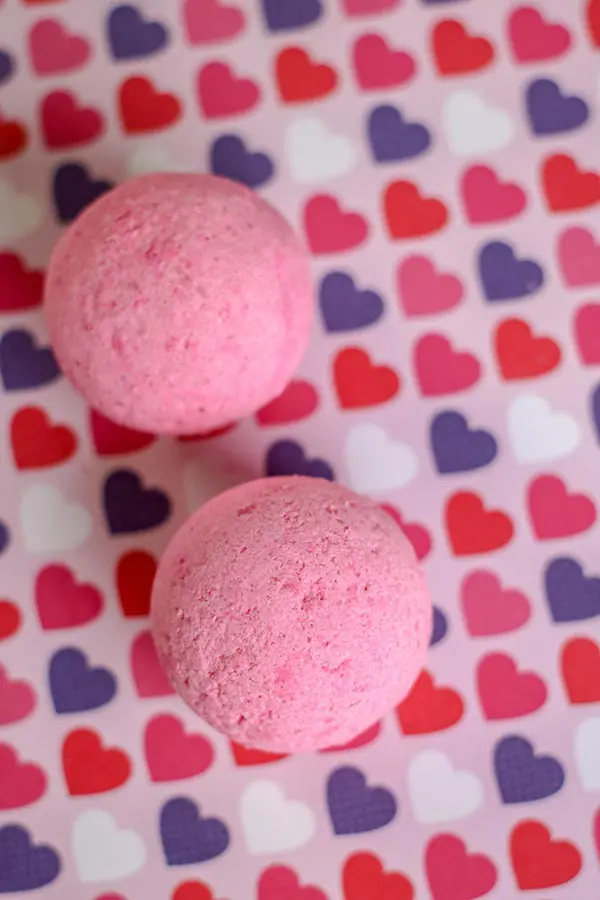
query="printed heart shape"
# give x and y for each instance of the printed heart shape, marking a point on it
(539, 433)
(53, 51)
(487, 199)
(91, 768)
(579, 256)
(329, 229)
(298, 401)
(393, 138)
(580, 669)
(556, 513)
(489, 609)
(23, 364)
(368, 7)
(473, 127)
(134, 577)
(14, 139)
(440, 370)
(566, 186)
(66, 124)
(593, 21)
(504, 276)
(17, 699)
(289, 458)
(4, 537)
(587, 333)
(456, 52)
(552, 112)
(32, 865)
(102, 850)
(281, 881)
(20, 783)
(439, 792)
(187, 837)
(171, 753)
(344, 307)
(112, 439)
(148, 674)
(472, 529)
(377, 462)
(429, 708)
(286, 15)
(540, 862)
(455, 874)
(210, 21)
(410, 215)
(131, 36)
(361, 740)
(62, 602)
(521, 354)
(7, 66)
(300, 79)
(354, 806)
(572, 596)
(20, 288)
(534, 39)
(361, 384)
(75, 686)
(130, 507)
(246, 756)
(192, 890)
(424, 291)
(51, 523)
(379, 66)
(596, 823)
(595, 410)
(524, 776)
(37, 443)
(316, 153)
(221, 93)
(364, 876)
(74, 189)
(458, 448)
(230, 158)
(417, 534)
(144, 109)
(504, 691)
(10, 619)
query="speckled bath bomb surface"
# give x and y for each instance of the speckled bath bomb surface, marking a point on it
(178, 303)
(291, 614)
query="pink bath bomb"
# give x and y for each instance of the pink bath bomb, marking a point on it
(291, 614)
(178, 303)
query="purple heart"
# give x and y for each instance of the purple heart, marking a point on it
(521, 775)
(393, 138)
(75, 686)
(440, 627)
(230, 158)
(187, 838)
(596, 410)
(284, 15)
(344, 307)
(354, 807)
(552, 112)
(130, 507)
(131, 36)
(438, 2)
(458, 449)
(4, 537)
(571, 595)
(22, 364)
(7, 66)
(289, 458)
(74, 189)
(25, 866)
(504, 277)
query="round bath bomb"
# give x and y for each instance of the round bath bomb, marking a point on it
(291, 614)
(178, 303)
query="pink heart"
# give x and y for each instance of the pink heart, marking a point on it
(17, 699)
(378, 66)
(441, 370)
(487, 199)
(54, 51)
(222, 93)
(455, 874)
(148, 675)
(579, 256)
(171, 753)
(597, 832)
(557, 513)
(587, 330)
(504, 691)
(424, 291)
(368, 7)
(489, 609)
(62, 602)
(534, 39)
(209, 21)
(20, 783)
(278, 882)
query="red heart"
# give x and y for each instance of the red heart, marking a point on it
(20, 783)
(364, 877)
(144, 109)
(17, 699)
(418, 535)
(455, 874)
(91, 768)
(298, 401)
(378, 66)
(489, 609)
(245, 756)
(206, 435)
(37, 443)
(135, 577)
(554, 512)
(13, 139)
(65, 124)
(429, 708)
(39, 2)
(192, 890)
(301, 80)
(538, 861)
(62, 602)
(278, 882)
(580, 666)
(54, 51)
(10, 619)
(148, 674)
(566, 186)
(506, 693)
(587, 332)
(209, 21)
(457, 52)
(523, 355)
(222, 93)
(331, 230)
(171, 753)
(409, 215)
(424, 291)
(487, 199)
(440, 370)
(362, 740)
(359, 383)
(111, 439)
(111, 897)
(579, 256)
(534, 39)
(473, 529)
(368, 7)
(593, 21)
(20, 288)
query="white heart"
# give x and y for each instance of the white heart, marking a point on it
(472, 127)
(51, 523)
(102, 850)
(20, 214)
(587, 753)
(375, 462)
(205, 477)
(314, 153)
(271, 823)
(538, 433)
(150, 159)
(439, 792)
